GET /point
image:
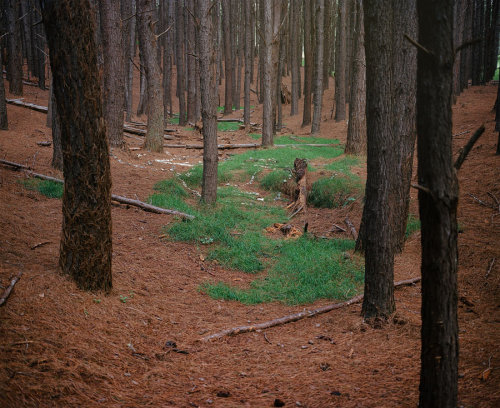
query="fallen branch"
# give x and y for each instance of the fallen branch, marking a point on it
(142, 132)
(481, 202)
(243, 146)
(489, 268)
(297, 316)
(9, 288)
(467, 148)
(120, 199)
(351, 227)
(32, 106)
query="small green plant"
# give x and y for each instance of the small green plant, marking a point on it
(123, 298)
(48, 188)
(412, 226)
(97, 301)
(334, 192)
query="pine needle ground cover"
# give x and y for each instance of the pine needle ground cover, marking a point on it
(233, 232)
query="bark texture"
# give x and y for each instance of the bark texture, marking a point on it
(15, 61)
(86, 249)
(318, 83)
(438, 206)
(341, 61)
(3, 106)
(308, 61)
(114, 91)
(228, 57)
(148, 44)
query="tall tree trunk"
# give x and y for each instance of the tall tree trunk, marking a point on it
(25, 21)
(4, 125)
(191, 62)
(143, 86)
(111, 26)
(308, 68)
(148, 45)
(318, 85)
(340, 62)
(248, 62)
(15, 61)
(179, 38)
(208, 87)
(55, 123)
(356, 129)
(228, 57)
(168, 40)
(438, 200)
(86, 248)
(294, 60)
(129, 29)
(272, 11)
(327, 43)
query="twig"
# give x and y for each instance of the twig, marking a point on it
(39, 244)
(461, 133)
(467, 148)
(481, 202)
(337, 227)
(489, 268)
(421, 188)
(7, 291)
(295, 212)
(416, 44)
(265, 337)
(165, 32)
(493, 196)
(351, 227)
(297, 316)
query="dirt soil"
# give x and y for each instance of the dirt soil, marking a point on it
(63, 347)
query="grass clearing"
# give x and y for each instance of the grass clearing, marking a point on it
(292, 139)
(228, 126)
(48, 188)
(335, 191)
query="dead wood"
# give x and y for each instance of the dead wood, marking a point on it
(297, 316)
(9, 288)
(32, 106)
(243, 146)
(300, 193)
(467, 148)
(336, 227)
(481, 202)
(351, 227)
(489, 268)
(120, 199)
(142, 132)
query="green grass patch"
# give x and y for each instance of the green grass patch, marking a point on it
(291, 139)
(255, 136)
(334, 192)
(48, 188)
(305, 270)
(228, 126)
(194, 176)
(343, 165)
(413, 225)
(274, 180)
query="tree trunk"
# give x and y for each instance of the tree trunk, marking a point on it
(228, 57)
(57, 155)
(356, 129)
(143, 93)
(129, 28)
(272, 11)
(15, 61)
(3, 106)
(148, 44)
(111, 26)
(248, 62)
(86, 248)
(340, 62)
(294, 60)
(377, 234)
(179, 38)
(208, 87)
(168, 40)
(191, 62)
(318, 91)
(438, 206)
(308, 68)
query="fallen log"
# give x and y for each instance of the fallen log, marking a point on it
(243, 146)
(124, 200)
(467, 148)
(142, 132)
(9, 288)
(32, 106)
(351, 228)
(297, 316)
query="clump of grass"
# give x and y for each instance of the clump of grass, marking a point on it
(227, 126)
(292, 139)
(275, 180)
(412, 226)
(343, 165)
(305, 270)
(194, 176)
(48, 188)
(255, 136)
(333, 192)
(170, 186)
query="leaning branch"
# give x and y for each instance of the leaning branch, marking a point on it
(124, 200)
(9, 288)
(297, 316)
(470, 144)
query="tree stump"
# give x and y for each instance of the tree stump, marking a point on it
(300, 193)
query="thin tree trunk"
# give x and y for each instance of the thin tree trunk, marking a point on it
(438, 206)
(4, 125)
(308, 68)
(148, 45)
(86, 249)
(179, 38)
(248, 62)
(15, 61)
(111, 26)
(294, 60)
(129, 28)
(340, 62)
(191, 64)
(208, 87)
(318, 91)
(143, 86)
(57, 155)
(356, 129)
(228, 57)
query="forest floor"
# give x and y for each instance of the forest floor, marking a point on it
(63, 347)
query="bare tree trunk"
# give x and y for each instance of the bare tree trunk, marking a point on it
(228, 57)
(179, 38)
(356, 129)
(308, 68)
(438, 200)
(143, 92)
(248, 62)
(25, 21)
(148, 44)
(191, 64)
(340, 62)
(86, 248)
(327, 43)
(208, 102)
(129, 28)
(57, 155)
(318, 91)
(4, 125)
(15, 61)
(294, 60)
(168, 40)
(111, 26)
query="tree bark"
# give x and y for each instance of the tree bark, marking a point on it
(148, 44)
(340, 62)
(113, 98)
(86, 248)
(248, 62)
(15, 61)
(55, 124)
(308, 67)
(179, 38)
(208, 87)
(129, 29)
(228, 57)
(191, 62)
(438, 206)
(4, 124)
(356, 129)
(294, 58)
(318, 85)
